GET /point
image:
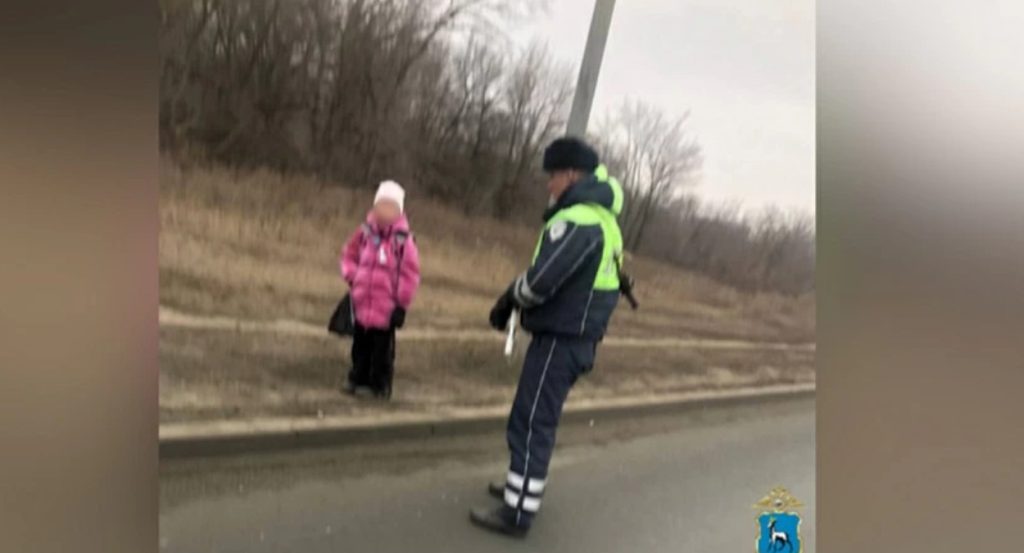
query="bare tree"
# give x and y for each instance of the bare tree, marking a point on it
(658, 158)
(536, 98)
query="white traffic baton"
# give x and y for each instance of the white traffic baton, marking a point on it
(510, 338)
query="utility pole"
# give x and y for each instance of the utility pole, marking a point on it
(590, 68)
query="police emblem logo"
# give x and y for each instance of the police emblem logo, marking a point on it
(779, 523)
(557, 230)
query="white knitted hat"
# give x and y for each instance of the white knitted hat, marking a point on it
(391, 190)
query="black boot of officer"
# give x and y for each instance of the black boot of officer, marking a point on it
(500, 519)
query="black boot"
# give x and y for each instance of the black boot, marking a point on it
(496, 490)
(500, 520)
(356, 390)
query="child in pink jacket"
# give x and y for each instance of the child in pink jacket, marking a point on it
(381, 265)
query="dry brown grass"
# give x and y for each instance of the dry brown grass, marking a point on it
(225, 374)
(259, 245)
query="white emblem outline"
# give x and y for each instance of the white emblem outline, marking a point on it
(557, 230)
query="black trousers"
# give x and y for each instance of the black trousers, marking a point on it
(550, 369)
(373, 358)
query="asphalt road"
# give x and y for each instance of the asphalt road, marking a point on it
(673, 483)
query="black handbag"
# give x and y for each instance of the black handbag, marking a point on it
(343, 321)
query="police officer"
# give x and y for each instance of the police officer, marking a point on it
(566, 298)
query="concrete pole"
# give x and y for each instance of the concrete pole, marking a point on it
(590, 68)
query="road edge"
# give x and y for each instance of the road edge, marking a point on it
(220, 438)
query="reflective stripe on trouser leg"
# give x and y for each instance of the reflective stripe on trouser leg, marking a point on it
(521, 502)
(549, 371)
(519, 489)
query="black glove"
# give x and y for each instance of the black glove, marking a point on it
(502, 310)
(398, 318)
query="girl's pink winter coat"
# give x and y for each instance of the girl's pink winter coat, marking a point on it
(370, 266)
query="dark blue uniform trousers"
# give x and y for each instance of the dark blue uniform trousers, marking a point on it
(552, 365)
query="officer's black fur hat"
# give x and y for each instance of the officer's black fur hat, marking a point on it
(570, 153)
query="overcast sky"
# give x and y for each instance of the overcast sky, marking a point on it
(744, 69)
